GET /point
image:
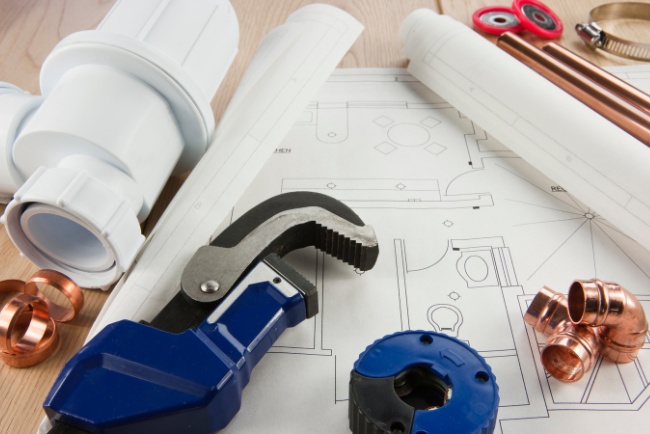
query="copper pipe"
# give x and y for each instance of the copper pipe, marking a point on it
(598, 75)
(64, 284)
(625, 115)
(571, 349)
(620, 318)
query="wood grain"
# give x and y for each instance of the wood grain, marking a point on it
(29, 29)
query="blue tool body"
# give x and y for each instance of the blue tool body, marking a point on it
(132, 378)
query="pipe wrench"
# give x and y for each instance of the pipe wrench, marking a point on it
(184, 372)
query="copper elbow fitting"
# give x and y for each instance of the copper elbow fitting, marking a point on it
(620, 318)
(570, 352)
(571, 349)
(548, 311)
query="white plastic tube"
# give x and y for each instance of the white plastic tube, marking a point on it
(124, 106)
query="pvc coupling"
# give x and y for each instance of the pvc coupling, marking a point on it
(596, 317)
(124, 106)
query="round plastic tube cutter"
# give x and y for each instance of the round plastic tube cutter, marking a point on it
(421, 382)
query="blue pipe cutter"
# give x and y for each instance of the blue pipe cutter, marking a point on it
(184, 372)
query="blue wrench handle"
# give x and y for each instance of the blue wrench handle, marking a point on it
(132, 378)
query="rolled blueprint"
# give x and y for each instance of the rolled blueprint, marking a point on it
(593, 159)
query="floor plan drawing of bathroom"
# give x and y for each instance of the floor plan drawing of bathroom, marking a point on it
(468, 233)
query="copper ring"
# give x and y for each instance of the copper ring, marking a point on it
(12, 285)
(31, 335)
(61, 282)
(44, 350)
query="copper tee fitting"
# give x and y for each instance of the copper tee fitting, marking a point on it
(571, 349)
(620, 318)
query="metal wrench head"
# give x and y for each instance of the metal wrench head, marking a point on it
(279, 225)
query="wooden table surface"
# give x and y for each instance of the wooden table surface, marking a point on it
(29, 29)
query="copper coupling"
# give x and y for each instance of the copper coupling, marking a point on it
(595, 317)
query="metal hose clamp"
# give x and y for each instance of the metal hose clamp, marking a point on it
(594, 35)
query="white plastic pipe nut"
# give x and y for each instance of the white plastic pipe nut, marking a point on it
(104, 113)
(66, 220)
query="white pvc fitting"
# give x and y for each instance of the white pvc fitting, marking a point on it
(181, 49)
(15, 107)
(124, 107)
(95, 173)
(67, 220)
(129, 126)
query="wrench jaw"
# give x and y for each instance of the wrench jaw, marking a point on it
(277, 226)
(303, 285)
(361, 254)
(292, 221)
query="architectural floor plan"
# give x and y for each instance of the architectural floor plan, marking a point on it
(468, 234)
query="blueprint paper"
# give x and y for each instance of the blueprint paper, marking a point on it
(289, 67)
(582, 151)
(468, 233)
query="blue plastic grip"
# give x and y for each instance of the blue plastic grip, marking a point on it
(132, 378)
